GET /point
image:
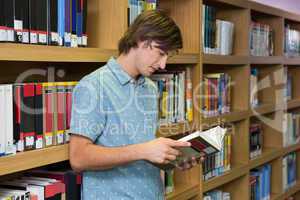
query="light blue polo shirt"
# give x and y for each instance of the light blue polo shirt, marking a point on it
(113, 110)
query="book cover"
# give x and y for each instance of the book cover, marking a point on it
(203, 143)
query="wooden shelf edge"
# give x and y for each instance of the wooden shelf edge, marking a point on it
(292, 60)
(289, 192)
(266, 60)
(230, 117)
(225, 60)
(259, 7)
(184, 58)
(22, 52)
(287, 150)
(172, 129)
(294, 103)
(291, 16)
(34, 158)
(267, 155)
(229, 176)
(264, 109)
(237, 3)
(185, 193)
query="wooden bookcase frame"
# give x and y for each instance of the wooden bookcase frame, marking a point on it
(107, 21)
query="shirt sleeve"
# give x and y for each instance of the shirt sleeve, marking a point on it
(86, 117)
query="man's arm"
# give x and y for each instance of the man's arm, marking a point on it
(84, 155)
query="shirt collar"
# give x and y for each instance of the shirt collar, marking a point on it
(122, 76)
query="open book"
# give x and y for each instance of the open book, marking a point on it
(202, 143)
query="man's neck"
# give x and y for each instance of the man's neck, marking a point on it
(127, 63)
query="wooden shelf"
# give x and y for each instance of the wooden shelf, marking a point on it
(22, 52)
(290, 149)
(288, 193)
(291, 16)
(268, 154)
(266, 60)
(184, 58)
(35, 158)
(227, 177)
(265, 9)
(174, 129)
(225, 60)
(292, 60)
(237, 3)
(230, 117)
(294, 103)
(274, 196)
(185, 192)
(263, 109)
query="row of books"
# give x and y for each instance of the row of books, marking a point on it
(34, 115)
(46, 22)
(175, 96)
(256, 140)
(291, 129)
(254, 101)
(42, 185)
(216, 195)
(216, 94)
(260, 183)
(218, 163)
(288, 91)
(217, 35)
(261, 39)
(289, 171)
(168, 180)
(255, 86)
(291, 41)
(136, 7)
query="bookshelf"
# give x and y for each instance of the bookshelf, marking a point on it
(272, 104)
(107, 21)
(34, 158)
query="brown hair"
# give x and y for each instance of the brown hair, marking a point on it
(152, 25)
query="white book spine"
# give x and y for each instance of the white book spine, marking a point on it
(2, 121)
(9, 148)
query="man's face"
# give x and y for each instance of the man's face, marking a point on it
(150, 58)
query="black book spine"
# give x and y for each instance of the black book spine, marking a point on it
(33, 22)
(18, 20)
(25, 19)
(9, 19)
(3, 32)
(42, 22)
(53, 19)
(18, 140)
(27, 126)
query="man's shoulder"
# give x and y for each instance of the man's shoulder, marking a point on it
(150, 84)
(97, 76)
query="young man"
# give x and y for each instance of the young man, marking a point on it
(115, 116)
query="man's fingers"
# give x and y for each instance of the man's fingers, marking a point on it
(175, 143)
(174, 152)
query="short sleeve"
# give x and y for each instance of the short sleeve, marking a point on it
(86, 117)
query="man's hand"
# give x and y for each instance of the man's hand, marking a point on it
(190, 163)
(162, 150)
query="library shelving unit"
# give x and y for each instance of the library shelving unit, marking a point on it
(272, 103)
(107, 21)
